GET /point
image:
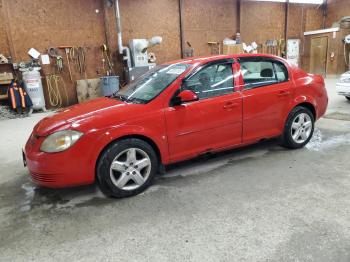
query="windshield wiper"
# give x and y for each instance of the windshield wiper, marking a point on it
(128, 99)
(135, 100)
(120, 97)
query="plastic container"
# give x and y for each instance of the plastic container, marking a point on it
(109, 85)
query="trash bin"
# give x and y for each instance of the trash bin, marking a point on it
(109, 85)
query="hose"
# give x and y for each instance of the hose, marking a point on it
(77, 55)
(53, 87)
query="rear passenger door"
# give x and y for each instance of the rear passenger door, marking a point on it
(266, 95)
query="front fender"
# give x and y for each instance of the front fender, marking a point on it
(112, 134)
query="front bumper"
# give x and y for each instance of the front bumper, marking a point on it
(343, 89)
(72, 167)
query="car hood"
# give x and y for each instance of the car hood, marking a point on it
(92, 114)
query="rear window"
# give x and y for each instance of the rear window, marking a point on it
(259, 72)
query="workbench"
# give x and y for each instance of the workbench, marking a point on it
(6, 77)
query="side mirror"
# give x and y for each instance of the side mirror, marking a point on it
(184, 97)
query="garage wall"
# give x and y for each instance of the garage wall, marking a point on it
(4, 48)
(336, 10)
(257, 22)
(147, 18)
(266, 20)
(208, 21)
(203, 21)
(44, 23)
(335, 64)
(314, 18)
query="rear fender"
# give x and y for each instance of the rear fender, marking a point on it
(304, 99)
(300, 99)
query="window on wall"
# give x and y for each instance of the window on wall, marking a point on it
(212, 80)
(261, 73)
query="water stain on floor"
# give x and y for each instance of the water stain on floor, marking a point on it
(338, 116)
(320, 142)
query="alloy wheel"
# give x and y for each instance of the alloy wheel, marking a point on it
(130, 169)
(301, 128)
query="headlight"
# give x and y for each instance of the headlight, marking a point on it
(60, 141)
(345, 80)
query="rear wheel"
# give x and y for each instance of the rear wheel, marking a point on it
(348, 98)
(299, 128)
(126, 168)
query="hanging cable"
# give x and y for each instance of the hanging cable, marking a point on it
(77, 55)
(55, 85)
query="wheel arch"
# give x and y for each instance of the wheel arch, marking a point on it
(309, 106)
(138, 136)
(307, 101)
(306, 104)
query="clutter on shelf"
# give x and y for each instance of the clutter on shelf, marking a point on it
(235, 45)
(4, 59)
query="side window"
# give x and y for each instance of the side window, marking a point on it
(257, 73)
(281, 72)
(213, 80)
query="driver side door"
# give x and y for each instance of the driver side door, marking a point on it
(211, 123)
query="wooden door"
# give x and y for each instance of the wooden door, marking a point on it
(318, 57)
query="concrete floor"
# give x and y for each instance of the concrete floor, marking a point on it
(259, 203)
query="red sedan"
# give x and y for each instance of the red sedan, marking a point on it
(174, 112)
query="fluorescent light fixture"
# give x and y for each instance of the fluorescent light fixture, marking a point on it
(316, 2)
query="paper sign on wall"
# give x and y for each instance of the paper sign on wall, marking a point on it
(34, 53)
(45, 59)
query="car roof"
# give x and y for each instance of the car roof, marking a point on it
(205, 59)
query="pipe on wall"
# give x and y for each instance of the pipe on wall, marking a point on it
(286, 25)
(182, 41)
(123, 50)
(324, 9)
(239, 15)
(119, 28)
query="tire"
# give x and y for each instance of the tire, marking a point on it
(348, 98)
(297, 133)
(134, 166)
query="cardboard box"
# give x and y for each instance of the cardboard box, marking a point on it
(232, 49)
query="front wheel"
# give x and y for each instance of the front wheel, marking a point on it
(126, 168)
(299, 128)
(348, 98)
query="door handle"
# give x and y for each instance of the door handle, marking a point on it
(230, 105)
(283, 93)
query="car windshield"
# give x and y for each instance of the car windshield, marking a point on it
(151, 84)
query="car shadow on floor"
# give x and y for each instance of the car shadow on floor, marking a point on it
(212, 160)
(91, 195)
